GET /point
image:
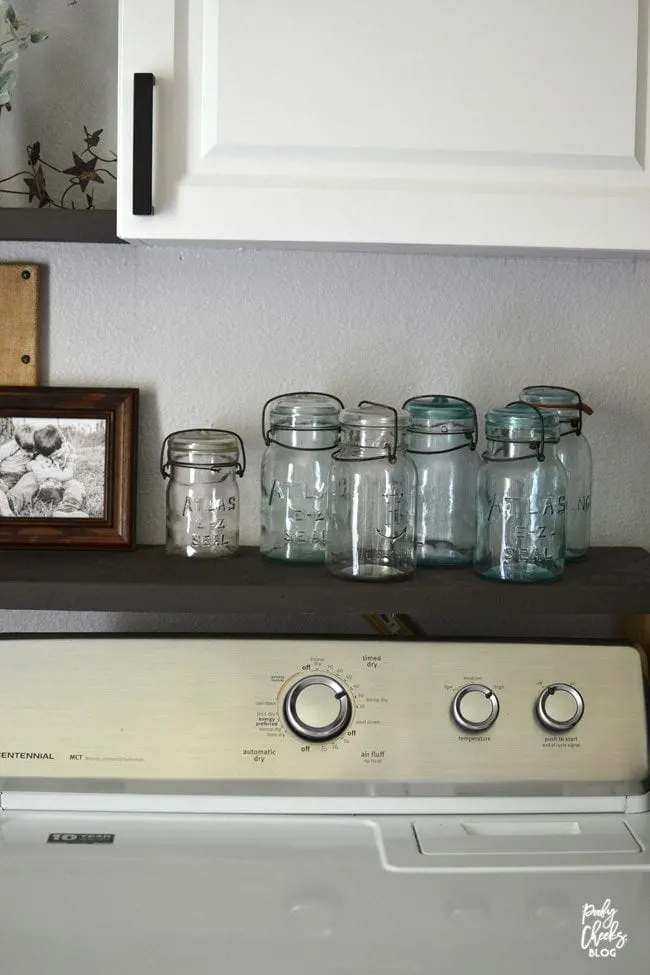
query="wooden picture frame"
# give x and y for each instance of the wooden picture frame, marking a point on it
(67, 467)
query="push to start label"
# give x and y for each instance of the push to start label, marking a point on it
(81, 839)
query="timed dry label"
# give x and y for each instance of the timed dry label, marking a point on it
(81, 839)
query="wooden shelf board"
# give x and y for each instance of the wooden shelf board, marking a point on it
(610, 581)
(74, 226)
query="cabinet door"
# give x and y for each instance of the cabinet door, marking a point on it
(473, 123)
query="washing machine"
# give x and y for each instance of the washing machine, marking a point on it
(235, 806)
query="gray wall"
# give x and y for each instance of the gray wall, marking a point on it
(209, 334)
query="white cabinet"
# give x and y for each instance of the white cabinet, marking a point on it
(438, 123)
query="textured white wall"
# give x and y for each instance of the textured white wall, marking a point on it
(209, 334)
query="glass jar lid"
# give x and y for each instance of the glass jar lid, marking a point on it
(550, 396)
(522, 423)
(441, 415)
(304, 411)
(374, 415)
(372, 425)
(202, 442)
(204, 448)
(567, 401)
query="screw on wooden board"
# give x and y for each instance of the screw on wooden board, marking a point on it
(26, 359)
(26, 275)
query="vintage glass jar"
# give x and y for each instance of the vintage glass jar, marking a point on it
(371, 499)
(202, 467)
(575, 453)
(442, 440)
(521, 497)
(303, 431)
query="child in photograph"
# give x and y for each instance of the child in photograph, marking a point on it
(51, 476)
(15, 457)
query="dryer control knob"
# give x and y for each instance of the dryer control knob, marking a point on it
(475, 707)
(559, 707)
(317, 708)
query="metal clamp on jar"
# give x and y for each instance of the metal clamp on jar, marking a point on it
(303, 431)
(371, 501)
(202, 494)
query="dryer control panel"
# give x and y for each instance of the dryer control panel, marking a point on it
(331, 710)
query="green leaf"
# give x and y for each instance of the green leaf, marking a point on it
(10, 15)
(36, 36)
(92, 138)
(7, 82)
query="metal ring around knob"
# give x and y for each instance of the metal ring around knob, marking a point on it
(544, 717)
(456, 711)
(309, 732)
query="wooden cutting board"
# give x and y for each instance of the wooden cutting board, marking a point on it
(19, 324)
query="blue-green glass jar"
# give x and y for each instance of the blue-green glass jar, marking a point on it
(442, 441)
(575, 453)
(521, 497)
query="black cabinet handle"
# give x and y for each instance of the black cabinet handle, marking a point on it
(143, 85)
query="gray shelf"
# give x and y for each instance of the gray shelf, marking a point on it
(49, 224)
(609, 582)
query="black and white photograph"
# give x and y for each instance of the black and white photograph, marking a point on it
(52, 467)
(67, 467)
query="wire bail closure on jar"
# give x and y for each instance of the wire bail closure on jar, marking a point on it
(391, 452)
(266, 431)
(558, 407)
(472, 437)
(165, 466)
(537, 445)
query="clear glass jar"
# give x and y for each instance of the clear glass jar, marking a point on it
(521, 497)
(303, 431)
(371, 499)
(575, 453)
(442, 441)
(202, 493)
